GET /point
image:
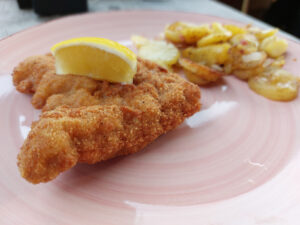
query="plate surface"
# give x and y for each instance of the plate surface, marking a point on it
(235, 162)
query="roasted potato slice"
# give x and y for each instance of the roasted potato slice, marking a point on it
(246, 43)
(234, 29)
(245, 74)
(218, 34)
(219, 28)
(163, 53)
(262, 34)
(173, 32)
(180, 32)
(212, 39)
(239, 60)
(252, 60)
(227, 68)
(201, 71)
(278, 85)
(139, 41)
(192, 34)
(278, 62)
(194, 78)
(271, 65)
(274, 46)
(266, 33)
(211, 54)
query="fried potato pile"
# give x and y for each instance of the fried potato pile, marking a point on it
(209, 51)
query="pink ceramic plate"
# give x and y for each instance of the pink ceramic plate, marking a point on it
(237, 162)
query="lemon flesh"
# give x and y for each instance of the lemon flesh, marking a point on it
(98, 58)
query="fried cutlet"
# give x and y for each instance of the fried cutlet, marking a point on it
(89, 121)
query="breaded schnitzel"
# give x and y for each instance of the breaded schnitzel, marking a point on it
(89, 121)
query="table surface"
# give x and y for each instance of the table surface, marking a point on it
(13, 19)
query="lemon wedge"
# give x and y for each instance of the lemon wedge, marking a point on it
(98, 58)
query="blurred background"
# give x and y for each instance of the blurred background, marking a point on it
(16, 15)
(284, 14)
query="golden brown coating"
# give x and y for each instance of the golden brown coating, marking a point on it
(28, 74)
(90, 121)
